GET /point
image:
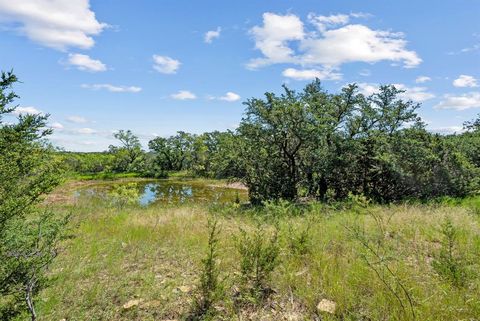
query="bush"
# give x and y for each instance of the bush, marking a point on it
(124, 194)
(259, 252)
(448, 263)
(210, 288)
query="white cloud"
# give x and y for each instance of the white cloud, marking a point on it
(26, 110)
(212, 34)
(112, 88)
(416, 94)
(76, 119)
(324, 22)
(56, 24)
(283, 39)
(183, 95)
(273, 37)
(56, 125)
(84, 62)
(165, 64)
(465, 81)
(422, 79)
(86, 131)
(448, 129)
(460, 102)
(357, 43)
(230, 97)
(308, 74)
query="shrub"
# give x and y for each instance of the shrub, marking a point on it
(448, 263)
(210, 288)
(259, 252)
(124, 194)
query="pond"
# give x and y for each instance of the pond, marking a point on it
(167, 192)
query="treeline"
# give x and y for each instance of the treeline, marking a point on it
(317, 145)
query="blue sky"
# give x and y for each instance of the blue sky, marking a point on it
(157, 67)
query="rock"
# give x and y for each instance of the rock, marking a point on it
(185, 288)
(152, 304)
(131, 304)
(326, 306)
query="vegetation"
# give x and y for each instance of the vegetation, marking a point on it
(316, 145)
(155, 258)
(29, 234)
(355, 212)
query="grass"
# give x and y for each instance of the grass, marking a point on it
(374, 262)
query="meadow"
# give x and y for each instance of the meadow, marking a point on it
(340, 261)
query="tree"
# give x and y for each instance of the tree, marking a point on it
(175, 152)
(29, 233)
(128, 156)
(327, 146)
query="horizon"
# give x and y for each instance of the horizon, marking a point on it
(163, 69)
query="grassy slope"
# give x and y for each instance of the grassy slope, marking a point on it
(153, 254)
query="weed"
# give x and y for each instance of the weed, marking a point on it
(258, 259)
(209, 289)
(299, 241)
(448, 264)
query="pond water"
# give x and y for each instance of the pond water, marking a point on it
(167, 192)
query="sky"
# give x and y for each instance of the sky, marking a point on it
(158, 67)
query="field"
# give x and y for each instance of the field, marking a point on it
(342, 261)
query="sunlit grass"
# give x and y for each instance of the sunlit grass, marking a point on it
(153, 254)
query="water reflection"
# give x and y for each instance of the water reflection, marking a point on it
(170, 192)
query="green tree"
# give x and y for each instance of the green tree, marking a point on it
(28, 232)
(129, 155)
(175, 152)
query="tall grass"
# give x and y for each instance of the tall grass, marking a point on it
(374, 262)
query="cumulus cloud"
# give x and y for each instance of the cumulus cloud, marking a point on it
(324, 22)
(84, 62)
(333, 42)
(183, 95)
(165, 64)
(230, 97)
(460, 102)
(212, 34)
(26, 110)
(112, 88)
(416, 94)
(57, 126)
(465, 81)
(422, 79)
(76, 119)
(309, 74)
(273, 38)
(55, 24)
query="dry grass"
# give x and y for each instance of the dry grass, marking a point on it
(151, 257)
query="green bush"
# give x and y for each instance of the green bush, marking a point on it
(449, 264)
(259, 251)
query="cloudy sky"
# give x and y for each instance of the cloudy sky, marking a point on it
(157, 67)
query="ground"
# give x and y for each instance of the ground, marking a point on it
(356, 262)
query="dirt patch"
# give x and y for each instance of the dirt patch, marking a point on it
(233, 185)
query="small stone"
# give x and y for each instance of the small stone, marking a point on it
(185, 288)
(132, 303)
(327, 306)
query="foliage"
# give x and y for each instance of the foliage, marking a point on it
(124, 194)
(322, 145)
(210, 287)
(449, 264)
(129, 156)
(259, 251)
(28, 233)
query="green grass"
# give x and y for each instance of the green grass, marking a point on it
(154, 255)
